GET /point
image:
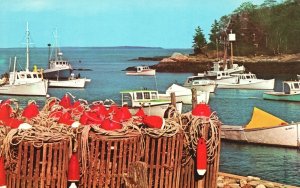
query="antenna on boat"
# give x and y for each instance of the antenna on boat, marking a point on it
(27, 48)
(155, 82)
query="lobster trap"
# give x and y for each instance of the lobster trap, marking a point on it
(38, 166)
(163, 158)
(108, 159)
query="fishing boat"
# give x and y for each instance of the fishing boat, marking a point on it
(149, 100)
(264, 128)
(184, 94)
(58, 67)
(71, 82)
(141, 71)
(291, 92)
(25, 82)
(248, 81)
(200, 83)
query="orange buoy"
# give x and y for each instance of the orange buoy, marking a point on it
(2, 173)
(5, 111)
(154, 122)
(201, 109)
(201, 157)
(73, 169)
(31, 110)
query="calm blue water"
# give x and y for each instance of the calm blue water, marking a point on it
(232, 106)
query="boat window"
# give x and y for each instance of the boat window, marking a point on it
(139, 95)
(28, 76)
(22, 76)
(286, 88)
(39, 75)
(34, 76)
(17, 76)
(146, 95)
(153, 95)
(296, 85)
(248, 77)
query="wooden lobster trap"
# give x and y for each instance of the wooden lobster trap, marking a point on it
(38, 166)
(189, 177)
(108, 159)
(163, 158)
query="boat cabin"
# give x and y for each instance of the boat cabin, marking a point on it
(24, 77)
(56, 64)
(199, 80)
(247, 76)
(135, 98)
(291, 87)
(142, 68)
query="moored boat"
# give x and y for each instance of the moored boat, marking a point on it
(200, 83)
(25, 82)
(141, 71)
(291, 92)
(70, 83)
(149, 100)
(264, 128)
(248, 81)
(184, 94)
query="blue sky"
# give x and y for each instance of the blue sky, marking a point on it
(155, 23)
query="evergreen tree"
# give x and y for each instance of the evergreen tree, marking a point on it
(214, 35)
(199, 41)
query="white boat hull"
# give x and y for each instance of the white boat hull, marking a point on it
(202, 97)
(156, 110)
(261, 84)
(288, 135)
(207, 88)
(142, 73)
(73, 83)
(39, 88)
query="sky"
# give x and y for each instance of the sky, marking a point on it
(107, 23)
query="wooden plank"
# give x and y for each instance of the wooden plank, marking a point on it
(114, 164)
(151, 162)
(37, 168)
(54, 173)
(66, 162)
(95, 153)
(49, 165)
(163, 160)
(168, 162)
(30, 166)
(44, 163)
(121, 154)
(18, 165)
(158, 166)
(108, 163)
(24, 160)
(103, 164)
(60, 161)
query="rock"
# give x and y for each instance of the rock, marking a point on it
(243, 182)
(220, 178)
(247, 186)
(260, 186)
(221, 185)
(256, 178)
(254, 183)
(268, 184)
(234, 185)
(250, 178)
(229, 181)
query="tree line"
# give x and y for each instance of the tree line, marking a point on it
(271, 28)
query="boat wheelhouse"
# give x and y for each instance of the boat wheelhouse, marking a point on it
(290, 92)
(142, 71)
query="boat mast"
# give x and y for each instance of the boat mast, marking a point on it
(56, 45)
(27, 48)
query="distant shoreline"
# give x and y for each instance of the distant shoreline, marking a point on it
(260, 65)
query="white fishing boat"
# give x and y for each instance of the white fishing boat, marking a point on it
(248, 81)
(184, 94)
(200, 83)
(141, 71)
(264, 128)
(291, 92)
(149, 100)
(69, 83)
(25, 82)
(58, 67)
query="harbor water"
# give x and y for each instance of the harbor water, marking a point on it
(104, 66)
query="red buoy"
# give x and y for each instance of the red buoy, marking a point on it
(201, 109)
(73, 169)
(123, 114)
(201, 157)
(31, 110)
(140, 112)
(5, 111)
(154, 122)
(2, 173)
(65, 101)
(108, 124)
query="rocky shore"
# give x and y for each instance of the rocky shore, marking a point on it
(260, 65)
(234, 181)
